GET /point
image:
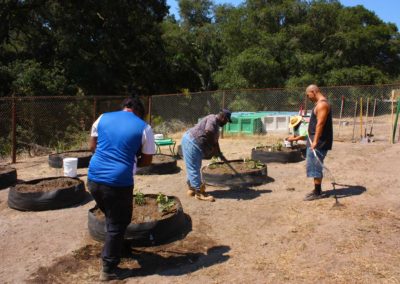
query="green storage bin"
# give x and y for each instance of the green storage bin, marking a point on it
(244, 125)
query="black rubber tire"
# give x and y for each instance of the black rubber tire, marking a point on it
(160, 168)
(40, 201)
(179, 154)
(56, 160)
(236, 180)
(293, 156)
(8, 178)
(148, 233)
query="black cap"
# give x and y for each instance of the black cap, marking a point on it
(227, 114)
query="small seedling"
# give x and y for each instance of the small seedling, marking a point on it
(214, 162)
(139, 198)
(253, 164)
(164, 203)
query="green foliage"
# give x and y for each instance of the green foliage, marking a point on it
(139, 198)
(5, 147)
(253, 164)
(109, 47)
(31, 78)
(165, 204)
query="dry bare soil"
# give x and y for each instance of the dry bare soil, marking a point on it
(265, 234)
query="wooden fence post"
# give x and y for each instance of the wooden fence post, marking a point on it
(149, 109)
(14, 129)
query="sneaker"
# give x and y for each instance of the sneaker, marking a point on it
(313, 196)
(204, 196)
(115, 274)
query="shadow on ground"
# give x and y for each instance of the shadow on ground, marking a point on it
(345, 190)
(239, 193)
(188, 253)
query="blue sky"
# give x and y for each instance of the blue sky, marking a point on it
(387, 10)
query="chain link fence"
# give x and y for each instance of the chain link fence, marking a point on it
(32, 126)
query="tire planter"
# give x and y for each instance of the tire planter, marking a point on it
(8, 176)
(289, 156)
(84, 156)
(179, 154)
(49, 200)
(253, 178)
(146, 233)
(161, 165)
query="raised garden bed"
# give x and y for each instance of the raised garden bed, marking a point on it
(161, 164)
(8, 176)
(272, 154)
(238, 173)
(84, 156)
(152, 222)
(46, 194)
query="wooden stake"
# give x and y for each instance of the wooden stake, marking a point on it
(361, 117)
(354, 121)
(340, 116)
(392, 119)
(366, 119)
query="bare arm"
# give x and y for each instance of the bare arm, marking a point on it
(144, 160)
(93, 144)
(322, 112)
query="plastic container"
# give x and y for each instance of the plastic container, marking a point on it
(288, 144)
(158, 136)
(70, 167)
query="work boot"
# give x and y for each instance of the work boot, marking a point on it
(114, 274)
(314, 195)
(191, 190)
(202, 195)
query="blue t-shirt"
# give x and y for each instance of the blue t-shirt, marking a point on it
(119, 139)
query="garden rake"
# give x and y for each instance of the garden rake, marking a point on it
(333, 181)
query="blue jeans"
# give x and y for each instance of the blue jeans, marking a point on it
(192, 156)
(314, 167)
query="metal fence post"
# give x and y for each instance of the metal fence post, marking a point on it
(14, 129)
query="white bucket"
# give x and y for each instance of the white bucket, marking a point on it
(70, 167)
(158, 136)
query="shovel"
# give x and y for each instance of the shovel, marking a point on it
(230, 166)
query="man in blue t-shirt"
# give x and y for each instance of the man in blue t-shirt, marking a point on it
(117, 138)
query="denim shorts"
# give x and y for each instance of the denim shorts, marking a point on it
(314, 167)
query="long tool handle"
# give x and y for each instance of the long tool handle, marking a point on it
(340, 115)
(366, 119)
(354, 121)
(230, 166)
(373, 117)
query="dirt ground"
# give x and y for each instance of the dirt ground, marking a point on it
(265, 234)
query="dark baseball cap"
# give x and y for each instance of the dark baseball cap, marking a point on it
(227, 114)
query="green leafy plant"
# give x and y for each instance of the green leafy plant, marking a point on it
(165, 204)
(276, 147)
(253, 164)
(214, 162)
(139, 198)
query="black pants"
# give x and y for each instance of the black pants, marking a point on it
(116, 204)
